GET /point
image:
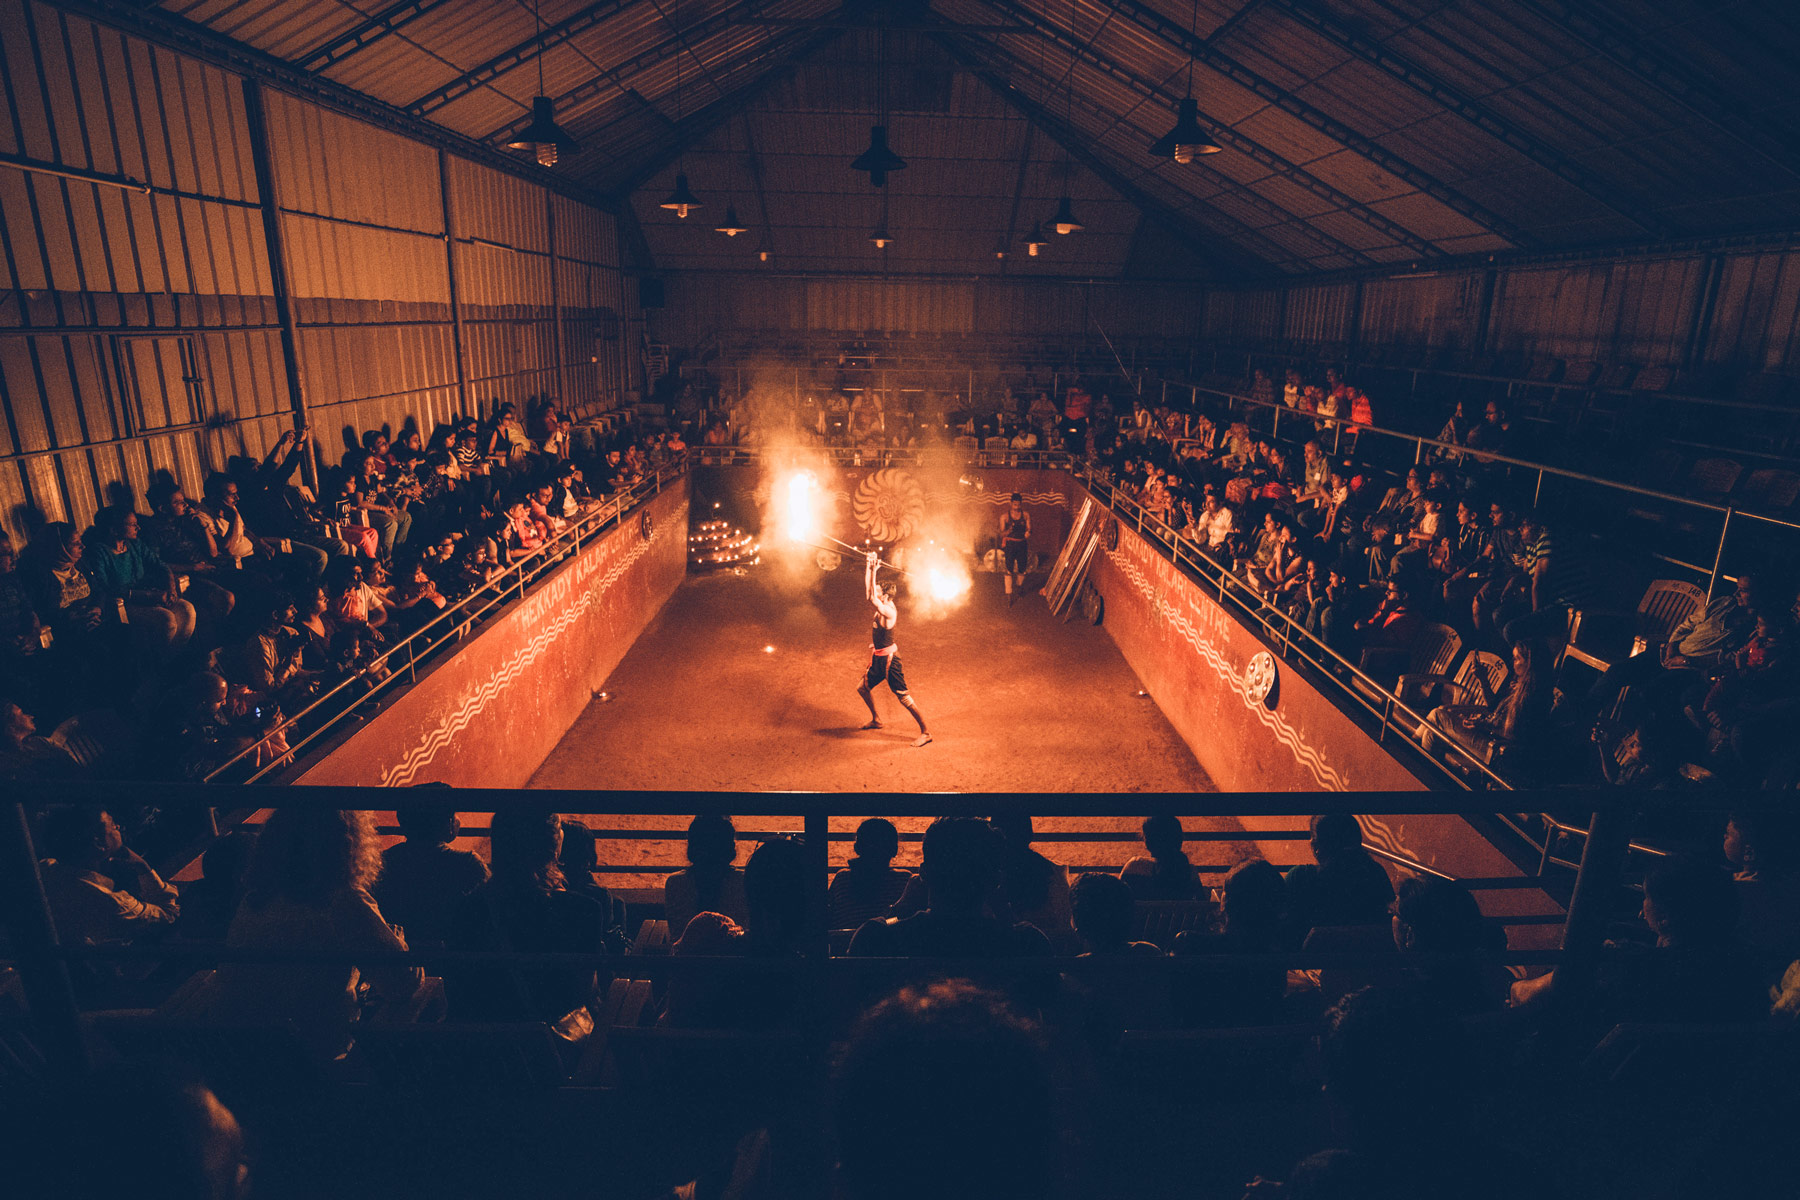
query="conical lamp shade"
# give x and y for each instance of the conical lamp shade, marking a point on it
(1187, 139)
(1065, 220)
(543, 136)
(878, 160)
(1034, 241)
(681, 201)
(730, 226)
(881, 237)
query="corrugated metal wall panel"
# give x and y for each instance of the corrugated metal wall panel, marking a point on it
(1319, 315)
(1437, 312)
(90, 266)
(1602, 312)
(1756, 319)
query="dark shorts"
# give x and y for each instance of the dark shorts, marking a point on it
(886, 667)
(1016, 555)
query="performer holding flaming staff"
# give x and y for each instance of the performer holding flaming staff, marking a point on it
(884, 655)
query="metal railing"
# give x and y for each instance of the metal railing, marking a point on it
(1340, 423)
(915, 456)
(364, 686)
(1295, 640)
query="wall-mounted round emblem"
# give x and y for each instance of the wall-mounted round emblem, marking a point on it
(645, 525)
(1259, 679)
(1109, 534)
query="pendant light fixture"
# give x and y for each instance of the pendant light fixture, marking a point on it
(1064, 221)
(878, 159)
(730, 226)
(682, 200)
(1034, 241)
(1187, 140)
(543, 136)
(881, 237)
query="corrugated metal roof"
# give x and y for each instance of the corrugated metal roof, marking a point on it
(1356, 131)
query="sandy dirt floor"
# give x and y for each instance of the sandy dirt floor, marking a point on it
(743, 685)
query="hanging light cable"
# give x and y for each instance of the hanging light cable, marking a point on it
(543, 136)
(1187, 140)
(730, 226)
(878, 160)
(682, 200)
(1065, 222)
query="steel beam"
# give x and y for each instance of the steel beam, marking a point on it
(1148, 18)
(485, 73)
(257, 123)
(1227, 136)
(378, 25)
(1250, 195)
(1322, 23)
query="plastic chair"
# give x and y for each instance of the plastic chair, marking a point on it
(1431, 653)
(1666, 603)
(1477, 681)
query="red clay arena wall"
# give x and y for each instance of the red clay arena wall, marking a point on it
(489, 714)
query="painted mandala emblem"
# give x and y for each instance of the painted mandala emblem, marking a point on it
(889, 504)
(1259, 678)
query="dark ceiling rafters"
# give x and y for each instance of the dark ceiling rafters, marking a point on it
(1228, 136)
(359, 37)
(1398, 67)
(753, 163)
(1667, 75)
(1215, 248)
(699, 124)
(1147, 18)
(618, 73)
(515, 56)
(1010, 68)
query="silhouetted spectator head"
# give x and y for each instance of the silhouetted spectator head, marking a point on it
(1688, 902)
(1335, 836)
(1766, 843)
(1103, 906)
(1015, 829)
(78, 836)
(580, 849)
(1435, 915)
(1163, 837)
(877, 841)
(226, 862)
(1255, 898)
(709, 934)
(1335, 1175)
(960, 862)
(944, 1092)
(524, 847)
(427, 822)
(711, 842)
(307, 856)
(775, 893)
(156, 1130)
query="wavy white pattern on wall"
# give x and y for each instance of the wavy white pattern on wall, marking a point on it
(419, 757)
(1323, 773)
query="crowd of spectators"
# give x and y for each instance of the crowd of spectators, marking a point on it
(195, 628)
(1060, 966)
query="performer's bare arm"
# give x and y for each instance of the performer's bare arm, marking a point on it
(872, 565)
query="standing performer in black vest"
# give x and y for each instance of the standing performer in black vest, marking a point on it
(884, 655)
(1015, 542)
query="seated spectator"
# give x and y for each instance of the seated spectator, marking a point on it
(580, 862)
(152, 1129)
(101, 893)
(182, 536)
(526, 908)
(1034, 889)
(1168, 874)
(1519, 725)
(1440, 916)
(1346, 887)
(1553, 585)
(1764, 851)
(1697, 972)
(524, 537)
(943, 1091)
(423, 878)
(308, 890)
(709, 883)
(273, 658)
(1709, 636)
(961, 868)
(869, 884)
(1102, 907)
(355, 600)
(1386, 635)
(24, 753)
(209, 903)
(124, 567)
(1256, 908)
(414, 599)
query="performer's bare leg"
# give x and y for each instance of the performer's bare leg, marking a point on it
(862, 689)
(924, 737)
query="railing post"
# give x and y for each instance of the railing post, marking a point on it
(1537, 493)
(1602, 862)
(1275, 424)
(48, 988)
(1719, 555)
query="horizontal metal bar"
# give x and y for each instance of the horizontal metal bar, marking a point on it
(35, 167)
